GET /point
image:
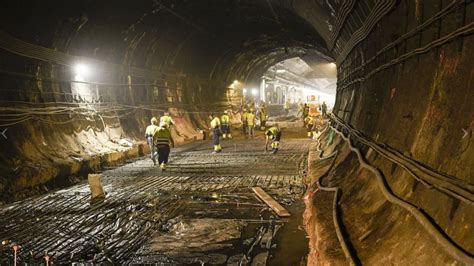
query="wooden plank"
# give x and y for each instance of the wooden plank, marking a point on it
(282, 212)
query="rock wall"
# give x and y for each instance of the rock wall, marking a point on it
(408, 86)
(59, 130)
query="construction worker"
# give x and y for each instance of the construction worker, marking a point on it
(166, 118)
(251, 118)
(324, 109)
(305, 113)
(310, 123)
(225, 125)
(244, 120)
(286, 107)
(273, 134)
(216, 130)
(300, 109)
(263, 115)
(163, 142)
(149, 135)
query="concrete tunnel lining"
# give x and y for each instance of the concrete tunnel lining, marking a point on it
(181, 56)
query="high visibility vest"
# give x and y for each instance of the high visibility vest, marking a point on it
(309, 120)
(150, 130)
(225, 119)
(162, 136)
(287, 105)
(167, 119)
(274, 132)
(215, 123)
(306, 110)
(250, 119)
(263, 114)
(244, 117)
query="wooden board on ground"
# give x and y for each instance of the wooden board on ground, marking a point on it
(282, 212)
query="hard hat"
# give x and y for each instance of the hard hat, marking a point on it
(226, 112)
(154, 120)
(163, 124)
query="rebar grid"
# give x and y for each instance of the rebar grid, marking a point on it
(140, 198)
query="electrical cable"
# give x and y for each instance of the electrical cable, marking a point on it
(465, 30)
(434, 230)
(431, 178)
(441, 14)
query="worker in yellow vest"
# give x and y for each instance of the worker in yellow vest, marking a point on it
(216, 130)
(273, 134)
(310, 123)
(251, 119)
(244, 120)
(163, 142)
(225, 125)
(305, 113)
(286, 107)
(166, 118)
(300, 109)
(149, 134)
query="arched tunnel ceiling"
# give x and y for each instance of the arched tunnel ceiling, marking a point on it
(218, 39)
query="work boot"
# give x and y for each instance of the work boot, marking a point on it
(274, 151)
(163, 167)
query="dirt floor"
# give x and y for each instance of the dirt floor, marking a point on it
(200, 211)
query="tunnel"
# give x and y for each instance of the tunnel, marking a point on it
(382, 173)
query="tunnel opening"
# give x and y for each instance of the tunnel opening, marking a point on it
(388, 162)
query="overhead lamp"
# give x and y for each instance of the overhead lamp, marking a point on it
(244, 91)
(82, 70)
(281, 71)
(254, 91)
(236, 81)
(332, 64)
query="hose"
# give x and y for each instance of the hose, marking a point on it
(19, 47)
(465, 30)
(449, 185)
(381, 8)
(441, 238)
(344, 11)
(445, 11)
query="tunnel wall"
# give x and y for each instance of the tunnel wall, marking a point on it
(409, 86)
(420, 105)
(60, 130)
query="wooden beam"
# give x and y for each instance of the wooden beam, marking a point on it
(282, 212)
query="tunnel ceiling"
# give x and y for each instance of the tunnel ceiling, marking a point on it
(219, 39)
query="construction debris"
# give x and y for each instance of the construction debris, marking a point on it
(282, 212)
(197, 235)
(97, 192)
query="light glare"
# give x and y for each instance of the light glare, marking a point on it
(82, 70)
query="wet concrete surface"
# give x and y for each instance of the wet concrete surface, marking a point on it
(201, 211)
